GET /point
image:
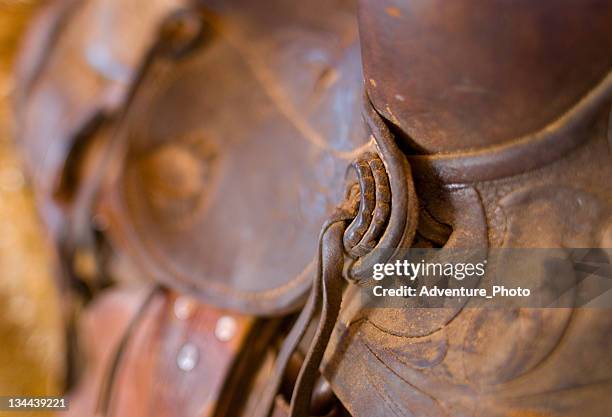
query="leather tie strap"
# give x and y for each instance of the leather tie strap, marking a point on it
(380, 211)
(326, 294)
(330, 286)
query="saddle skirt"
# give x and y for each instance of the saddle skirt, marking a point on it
(283, 150)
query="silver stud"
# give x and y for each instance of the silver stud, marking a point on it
(188, 357)
(183, 307)
(226, 328)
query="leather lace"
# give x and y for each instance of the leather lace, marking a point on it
(380, 211)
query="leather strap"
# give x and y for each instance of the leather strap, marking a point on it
(326, 293)
(383, 208)
(103, 408)
(330, 286)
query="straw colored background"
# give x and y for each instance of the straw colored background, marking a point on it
(31, 344)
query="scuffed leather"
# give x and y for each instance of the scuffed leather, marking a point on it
(536, 181)
(236, 153)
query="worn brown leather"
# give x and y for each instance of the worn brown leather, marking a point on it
(81, 59)
(509, 127)
(246, 166)
(168, 325)
(465, 75)
(289, 77)
(306, 117)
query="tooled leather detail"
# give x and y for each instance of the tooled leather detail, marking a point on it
(469, 231)
(516, 361)
(178, 179)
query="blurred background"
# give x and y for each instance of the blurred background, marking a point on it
(31, 342)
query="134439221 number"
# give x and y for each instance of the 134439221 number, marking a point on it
(30, 403)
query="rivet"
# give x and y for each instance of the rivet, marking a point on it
(226, 328)
(188, 357)
(183, 307)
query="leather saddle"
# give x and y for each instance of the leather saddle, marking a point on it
(251, 160)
